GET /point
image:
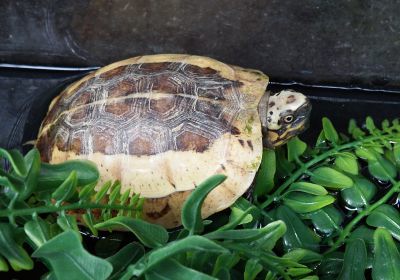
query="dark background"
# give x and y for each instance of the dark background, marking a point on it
(353, 44)
(331, 41)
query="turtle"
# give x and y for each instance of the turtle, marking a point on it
(161, 124)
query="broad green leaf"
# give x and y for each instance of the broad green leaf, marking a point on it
(264, 181)
(298, 271)
(67, 222)
(239, 217)
(252, 269)
(283, 166)
(382, 169)
(151, 235)
(155, 257)
(355, 260)
(66, 253)
(225, 261)
(331, 178)
(16, 160)
(129, 254)
(272, 233)
(307, 187)
(171, 269)
(347, 162)
(296, 148)
(327, 220)
(247, 235)
(360, 194)
(38, 231)
(330, 131)
(191, 211)
(53, 175)
(366, 154)
(32, 160)
(3, 265)
(304, 203)
(331, 265)
(297, 235)
(303, 256)
(387, 257)
(321, 140)
(17, 257)
(67, 189)
(396, 153)
(367, 235)
(370, 125)
(388, 217)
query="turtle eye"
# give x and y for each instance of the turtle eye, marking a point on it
(288, 118)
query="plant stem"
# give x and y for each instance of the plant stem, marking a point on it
(304, 167)
(346, 231)
(54, 208)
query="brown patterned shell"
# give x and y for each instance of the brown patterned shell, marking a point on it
(161, 124)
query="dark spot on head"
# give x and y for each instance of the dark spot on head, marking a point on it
(290, 99)
(241, 142)
(235, 131)
(173, 185)
(250, 144)
(223, 167)
(269, 119)
(279, 122)
(271, 104)
(271, 113)
(159, 214)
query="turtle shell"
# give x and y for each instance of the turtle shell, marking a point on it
(161, 124)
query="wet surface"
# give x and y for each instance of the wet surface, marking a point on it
(340, 42)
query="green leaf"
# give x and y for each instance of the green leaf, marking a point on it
(225, 261)
(155, 257)
(296, 148)
(331, 178)
(283, 166)
(103, 191)
(252, 269)
(386, 216)
(67, 189)
(298, 235)
(151, 235)
(129, 254)
(38, 231)
(272, 233)
(355, 260)
(87, 191)
(16, 160)
(3, 265)
(12, 250)
(387, 257)
(304, 203)
(366, 154)
(191, 211)
(68, 222)
(331, 265)
(171, 269)
(365, 233)
(66, 253)
(303, 256)
(307, 187)
(360, 194)
(396, 153)
(239, 217)
(264, 181)
(370, 125)
(53, 175)
(330, 131)
(382, 169)
(327, 220)
(32, 160)
(247, 235)
(347, 162)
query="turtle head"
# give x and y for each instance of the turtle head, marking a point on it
(287, 115)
